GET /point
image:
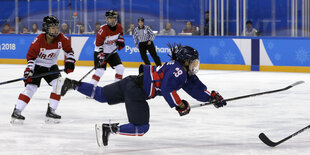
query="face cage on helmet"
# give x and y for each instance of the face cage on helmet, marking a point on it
(52, 34)
(193, 67)
(113, 23)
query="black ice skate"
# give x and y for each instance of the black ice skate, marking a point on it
(67, 85)
(51, 116)
(105, 130)
(17, 118)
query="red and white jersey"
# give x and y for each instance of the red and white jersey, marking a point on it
(44, 54)
(106, 38)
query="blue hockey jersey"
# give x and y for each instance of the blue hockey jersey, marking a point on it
(166, 80)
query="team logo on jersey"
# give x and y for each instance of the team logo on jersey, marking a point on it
(110, 42)
(59, 45)
(46, 55)
(42, 49)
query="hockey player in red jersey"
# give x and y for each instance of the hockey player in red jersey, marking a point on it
(42, 57)
(109, 38)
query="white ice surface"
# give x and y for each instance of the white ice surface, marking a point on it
(233, 129)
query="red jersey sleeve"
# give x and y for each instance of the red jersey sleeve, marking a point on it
(34, 49)
(100, 37)
(66, 42)
(121, 29)
(66, 46)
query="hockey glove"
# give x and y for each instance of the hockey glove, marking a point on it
(217, 99)
(69, 62)
(99, 59)
(120, 43)
(27, 74)
(29, 71)
(183, 108)
(69, 67)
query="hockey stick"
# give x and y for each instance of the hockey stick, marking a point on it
(270, 143)
(32, 77)
(251, 95)
(104, 62)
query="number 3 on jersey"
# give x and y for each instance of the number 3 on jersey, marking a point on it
(177, 72)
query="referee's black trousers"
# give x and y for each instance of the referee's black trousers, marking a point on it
(143, 46)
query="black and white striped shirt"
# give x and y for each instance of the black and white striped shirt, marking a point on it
(143, 35)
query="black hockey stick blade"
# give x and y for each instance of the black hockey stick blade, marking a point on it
(251, 95)
(104, 62)
(266, 140)
(270, 143)
(33, 77)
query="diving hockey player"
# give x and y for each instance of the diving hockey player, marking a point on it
(152, 81)
(42, 57)
(109, 38)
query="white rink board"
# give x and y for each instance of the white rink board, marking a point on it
(233, 129)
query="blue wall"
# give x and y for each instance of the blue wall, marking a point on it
(244, 51)
(179, 11)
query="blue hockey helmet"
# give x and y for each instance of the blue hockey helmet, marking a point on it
(184, 53)
(188, 57)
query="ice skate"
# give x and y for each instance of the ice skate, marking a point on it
(63, 85)
(17, 118)
(103, 132)
(51, 116)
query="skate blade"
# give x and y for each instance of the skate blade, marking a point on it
(15, 121)
(49, 120)
(60, 82)
(98, 131)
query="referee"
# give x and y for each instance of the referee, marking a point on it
(143, 37)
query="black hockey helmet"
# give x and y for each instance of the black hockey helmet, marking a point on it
(185, 54)
(141, 19)
(111, 14)
(49, 21)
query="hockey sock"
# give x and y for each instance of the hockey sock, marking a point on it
(96, 77)
(54, 100)
(25, 96)
(133, 130)
(118, 77)
(88, 90)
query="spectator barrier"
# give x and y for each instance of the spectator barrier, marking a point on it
(225, 53)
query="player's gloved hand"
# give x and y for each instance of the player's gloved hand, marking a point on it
(217, 99)
(27, 74)
(69, 65)
(100, 57)
(69, 62)
(183, 108)
(120, 42)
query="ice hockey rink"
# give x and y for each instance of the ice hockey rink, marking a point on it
(233, 129)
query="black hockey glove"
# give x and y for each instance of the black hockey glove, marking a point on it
(217, 99)
(27, 74)
(183, 108)
(99, 59)
(120, 43)
(69, 67)
(69, 62)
